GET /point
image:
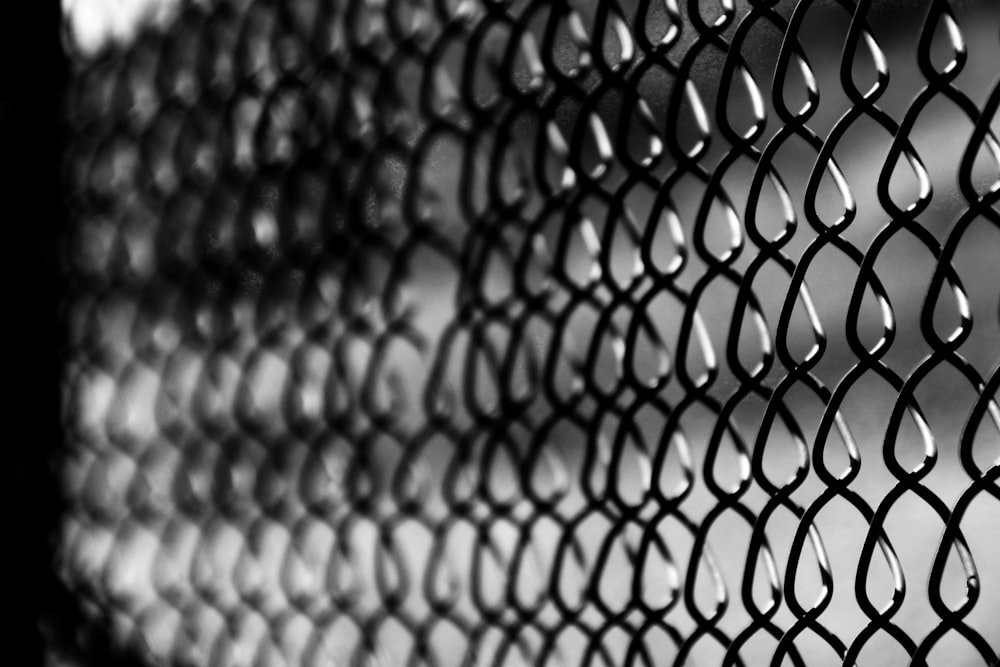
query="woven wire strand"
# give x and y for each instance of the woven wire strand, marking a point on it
(474, 332)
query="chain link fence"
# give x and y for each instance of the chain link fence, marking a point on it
(483, 332)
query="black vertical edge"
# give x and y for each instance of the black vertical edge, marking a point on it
(33, 77)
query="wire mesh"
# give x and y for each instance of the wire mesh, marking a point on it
(468, 332)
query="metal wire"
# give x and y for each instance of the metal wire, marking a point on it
(480, 332)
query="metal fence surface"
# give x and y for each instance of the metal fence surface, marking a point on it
(532, 332)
